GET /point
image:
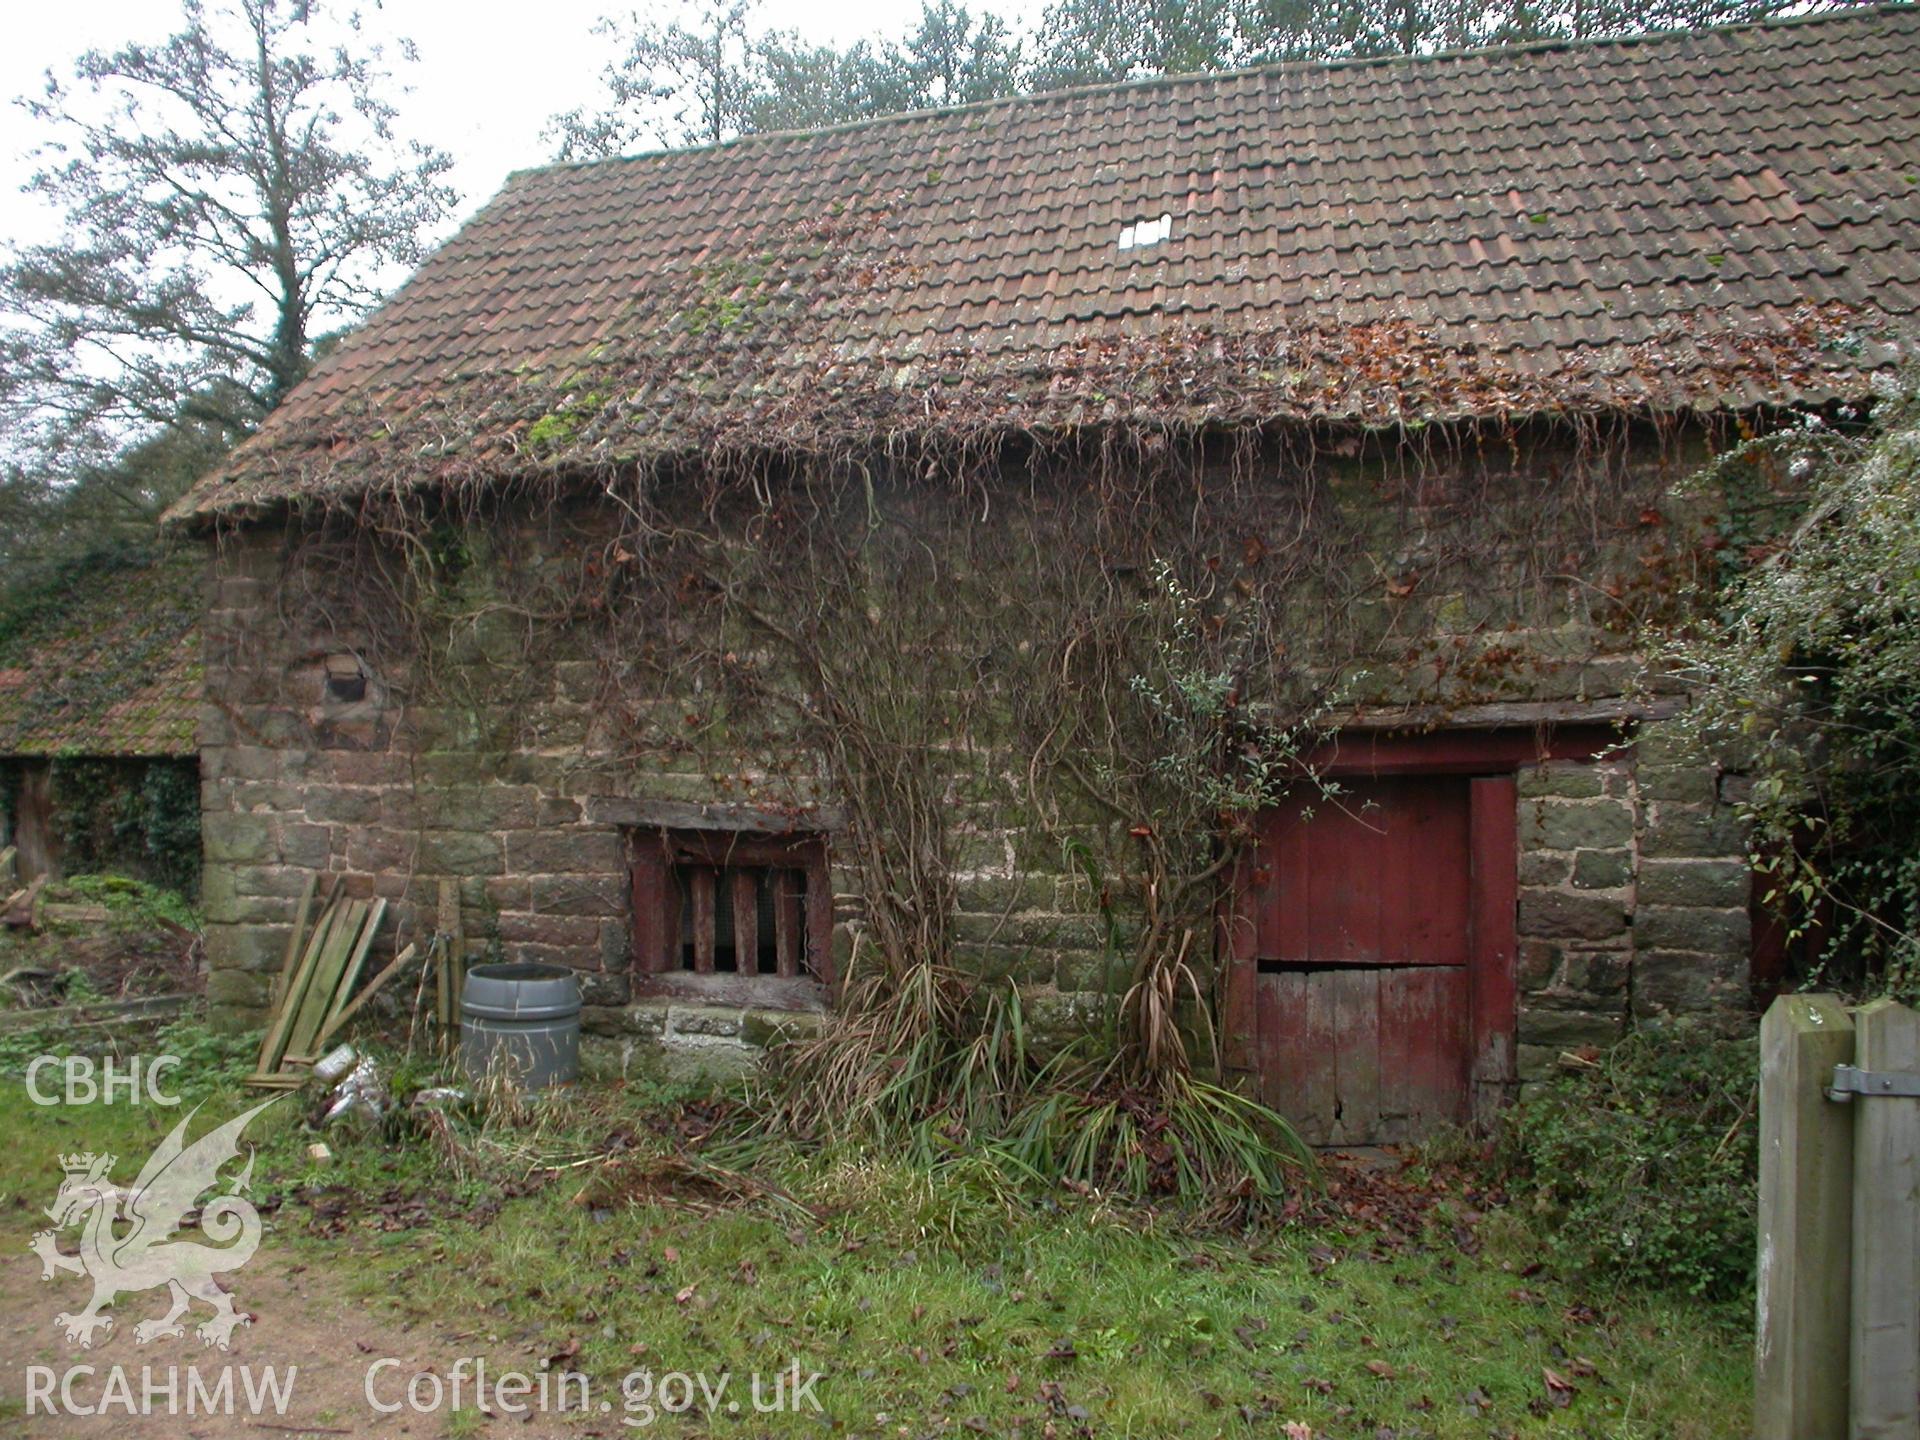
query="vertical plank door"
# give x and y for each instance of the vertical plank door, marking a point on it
(1364, 945)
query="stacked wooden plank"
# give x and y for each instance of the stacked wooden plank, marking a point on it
(314, 995)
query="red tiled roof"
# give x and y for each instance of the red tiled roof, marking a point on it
(112, 669)
(1716, 220)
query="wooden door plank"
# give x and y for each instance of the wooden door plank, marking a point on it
(1442, 1057)
(1432, 862)
(1261, 876)
(1356, 1021)
(1296, 1040)
(1279, 1011)
(1288, 925)
(1318, 1063)
(1397, 868)
(1458, 987)
(1342, 843)
(816, 934)
(655, 946)
(1236, 946)
(1424, 1058)
(1402, 1006)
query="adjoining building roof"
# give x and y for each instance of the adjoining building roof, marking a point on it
(111, 668)
(1725, 219)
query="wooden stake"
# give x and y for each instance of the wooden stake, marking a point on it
(449, 959)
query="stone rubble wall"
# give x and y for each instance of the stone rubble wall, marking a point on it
(1632, 899)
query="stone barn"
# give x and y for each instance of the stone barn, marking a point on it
(1178, 549)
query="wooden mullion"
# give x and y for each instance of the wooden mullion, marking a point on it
(819, 927)
(787, 921)
(700, 882)
(656, 935)
(746, 921)
(672, 900)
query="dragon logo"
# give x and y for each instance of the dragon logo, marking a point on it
(125, 1236)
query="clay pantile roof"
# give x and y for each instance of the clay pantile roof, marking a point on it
(1724, 219)
(110, 667)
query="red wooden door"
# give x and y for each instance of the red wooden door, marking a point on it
(1380, 969)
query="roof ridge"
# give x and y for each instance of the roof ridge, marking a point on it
(1850, 14)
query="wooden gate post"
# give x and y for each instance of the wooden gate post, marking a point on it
(1886, 1228)
(1806, 1222)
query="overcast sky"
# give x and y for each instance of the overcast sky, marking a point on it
(483, 89)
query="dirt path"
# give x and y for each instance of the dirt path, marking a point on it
(300, 1321)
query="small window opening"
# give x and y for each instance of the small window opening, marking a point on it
(346, 679)
(712, 908)
(741, 919)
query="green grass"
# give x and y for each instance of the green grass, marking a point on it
(935, 1302)
(936, 1309)
(33, 1136)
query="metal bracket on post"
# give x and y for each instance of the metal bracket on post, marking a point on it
(1849, 1081)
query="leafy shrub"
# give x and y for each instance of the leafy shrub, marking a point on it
(1805, 674)
(1641, 1166)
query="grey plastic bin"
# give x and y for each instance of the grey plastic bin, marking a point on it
(521, 1022)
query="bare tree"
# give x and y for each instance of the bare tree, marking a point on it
(683, 77)
(225, 193)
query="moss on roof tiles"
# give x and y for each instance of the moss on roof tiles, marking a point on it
(104, 659)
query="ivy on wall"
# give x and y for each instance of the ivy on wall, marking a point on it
(1805, 668)
(137, 815)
